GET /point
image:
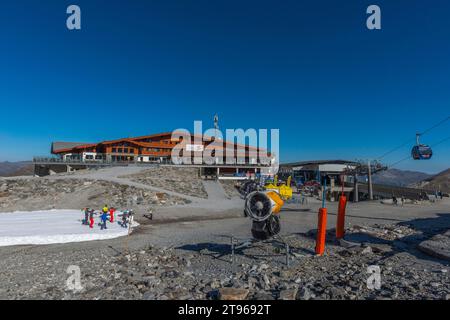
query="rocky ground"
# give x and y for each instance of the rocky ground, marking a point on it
(205, 271)
(42, 194)
(182, 180)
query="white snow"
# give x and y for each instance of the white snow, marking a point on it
(53, 226)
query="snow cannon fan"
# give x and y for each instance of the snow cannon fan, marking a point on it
(263, 208)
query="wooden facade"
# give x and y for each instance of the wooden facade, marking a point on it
(152, 148)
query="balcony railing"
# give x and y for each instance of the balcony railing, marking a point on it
(135, 161)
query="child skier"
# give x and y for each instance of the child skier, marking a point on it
(111, 214)
(104, 217)
(91, 218)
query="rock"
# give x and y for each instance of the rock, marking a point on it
(214, 284)
(305, 294)
(149, 295)
(438, 247)
(263, 296)
(233, 293)
(366, 250)
(266, 280)
(288, 294)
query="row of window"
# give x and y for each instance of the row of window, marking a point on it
(157, 141)
(122, 150)
(122, 158)
(92, 157)
(154, 149)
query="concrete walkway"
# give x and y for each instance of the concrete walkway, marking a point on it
(215, 190)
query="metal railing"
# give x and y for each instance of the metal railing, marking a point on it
(75, 161)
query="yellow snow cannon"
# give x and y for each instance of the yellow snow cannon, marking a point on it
(284, 190)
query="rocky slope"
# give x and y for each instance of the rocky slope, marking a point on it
(182, 180)
(400, 178)
(41, 194)
(229, 188)
(440, 181)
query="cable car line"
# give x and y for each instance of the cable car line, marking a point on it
(404, 159)
(409, 140)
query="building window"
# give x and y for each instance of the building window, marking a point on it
(119, 150)
(131, 150)
(114, 150)
(125, 150)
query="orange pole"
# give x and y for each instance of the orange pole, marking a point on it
(340, 224)
(321, 231)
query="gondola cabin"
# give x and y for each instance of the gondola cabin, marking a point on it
(421, 152)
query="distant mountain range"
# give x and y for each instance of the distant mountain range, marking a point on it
(21, 168)
(399, 178)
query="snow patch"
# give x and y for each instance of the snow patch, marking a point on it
(53, 226)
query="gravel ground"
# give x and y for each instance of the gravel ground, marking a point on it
(202, 270)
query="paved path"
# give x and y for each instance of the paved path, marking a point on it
(215, 190)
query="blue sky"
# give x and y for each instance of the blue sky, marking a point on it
(310, 68)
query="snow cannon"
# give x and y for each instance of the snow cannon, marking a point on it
(284, 190)
(263, 208)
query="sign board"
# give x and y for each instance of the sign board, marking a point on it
(194, 147)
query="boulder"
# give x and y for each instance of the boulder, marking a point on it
(233, 293)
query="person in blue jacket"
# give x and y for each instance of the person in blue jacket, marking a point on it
(103, 218)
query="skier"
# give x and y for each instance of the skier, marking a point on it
(103, 217)
(105, 209)
(111, 214)
(394, 200)
(91, 218)
(86, 216)
(130, 217)
(124, 219)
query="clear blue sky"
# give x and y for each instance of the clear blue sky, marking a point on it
(309, 68)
